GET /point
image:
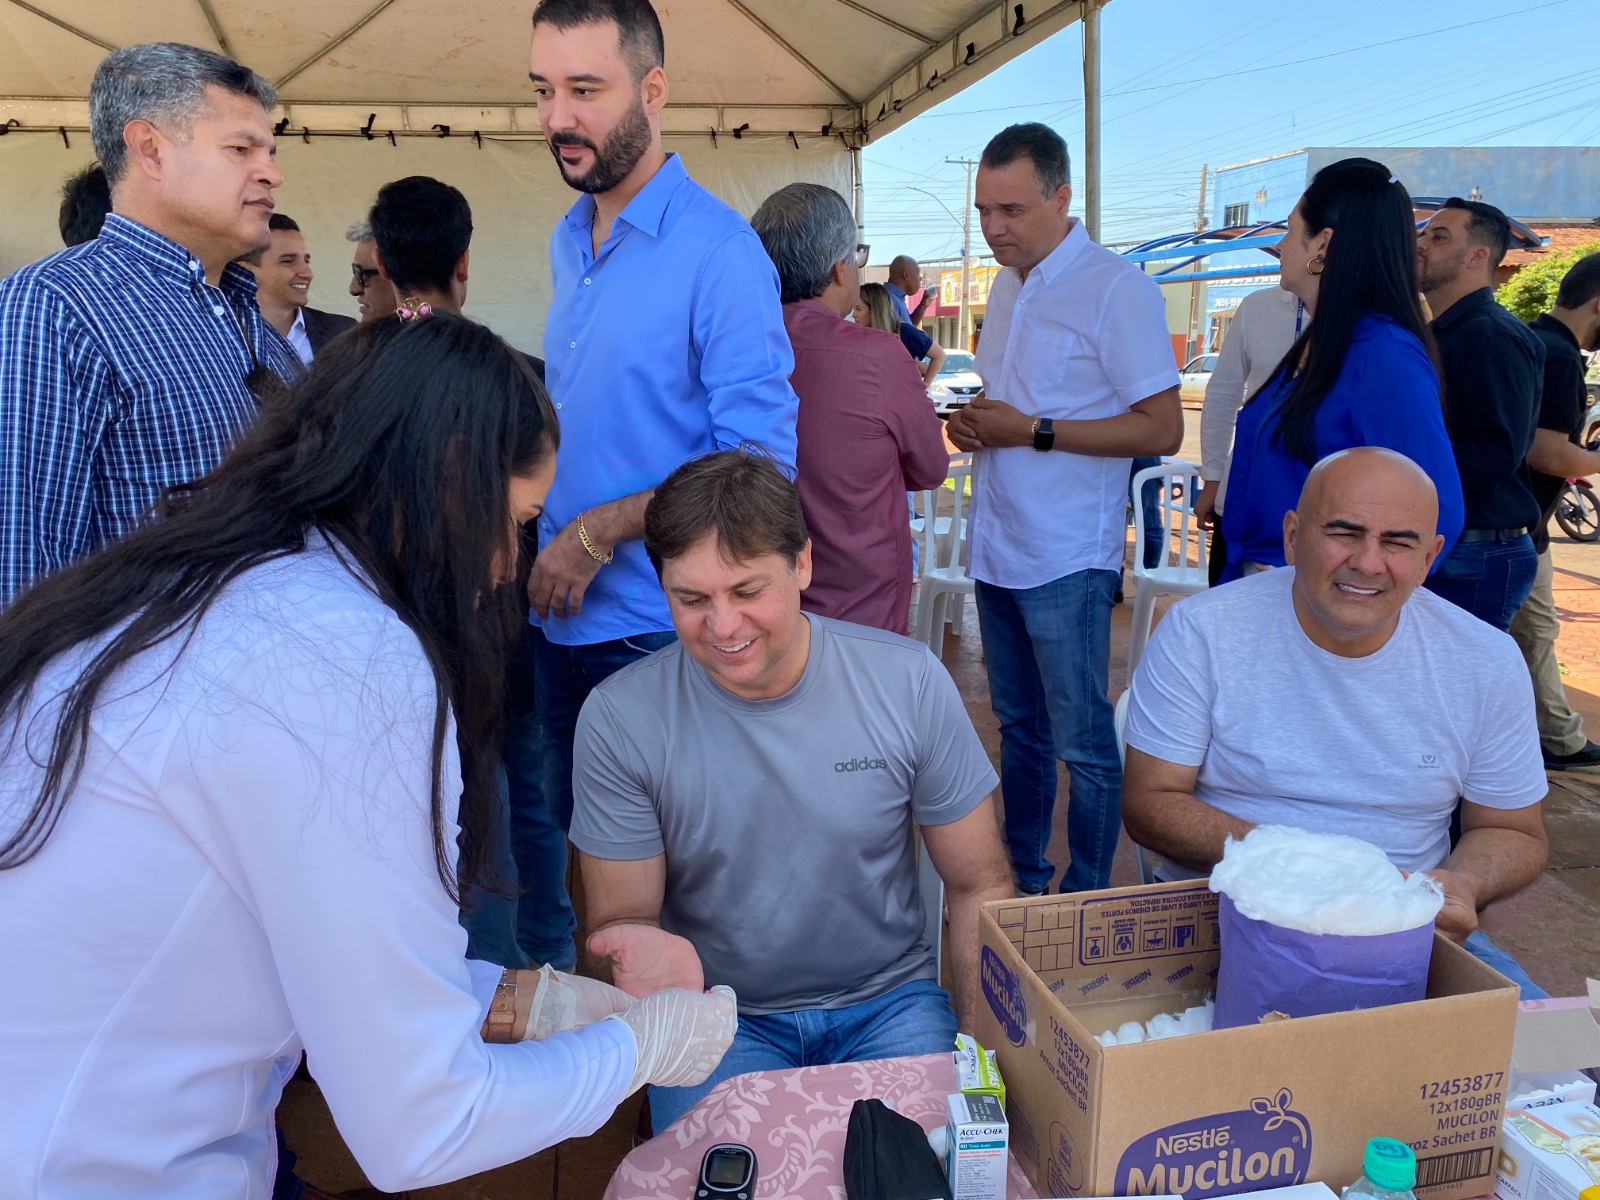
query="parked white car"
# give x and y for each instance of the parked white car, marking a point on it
(1193, 378)
(956, 383)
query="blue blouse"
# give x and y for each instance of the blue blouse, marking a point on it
(1387, 394)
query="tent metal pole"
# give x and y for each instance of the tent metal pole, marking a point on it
(860, 196)
(1091, 118)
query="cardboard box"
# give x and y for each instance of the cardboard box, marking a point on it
(975, 1157)
(1555, 1042)
(1550, 1153)
(1234, 1110)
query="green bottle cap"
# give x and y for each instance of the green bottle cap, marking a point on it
(1390, 1164)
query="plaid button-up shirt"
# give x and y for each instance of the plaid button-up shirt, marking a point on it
(122, 372)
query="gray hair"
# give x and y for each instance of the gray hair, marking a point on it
(160, 82)
(360, 232)
(1039, 144)
(806, 228)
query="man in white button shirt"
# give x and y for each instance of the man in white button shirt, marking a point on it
(1263, 328)
(1079, 380)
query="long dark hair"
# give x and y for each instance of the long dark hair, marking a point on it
(1370, 268)
(398, 445)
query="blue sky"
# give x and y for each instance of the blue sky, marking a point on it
(1183, 87)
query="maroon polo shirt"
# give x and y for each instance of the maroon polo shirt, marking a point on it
(867, 435)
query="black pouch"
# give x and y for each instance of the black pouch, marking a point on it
(887, 1157)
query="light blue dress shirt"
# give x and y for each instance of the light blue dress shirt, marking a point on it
(666, 345)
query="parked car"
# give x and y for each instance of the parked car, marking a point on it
(1193, 378)
(956, 383)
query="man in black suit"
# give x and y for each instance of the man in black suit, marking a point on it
(283, 286)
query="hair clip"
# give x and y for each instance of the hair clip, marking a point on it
(411, 308)
(1394, 179)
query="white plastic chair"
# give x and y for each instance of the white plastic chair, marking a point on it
(943, 585)
(1119, 719)
(1173, 576)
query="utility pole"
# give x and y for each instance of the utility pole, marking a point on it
(1190, 346)
(1091, 119)
(964, 325)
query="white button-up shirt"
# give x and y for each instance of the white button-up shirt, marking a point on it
(298, 338)
(1082, 338)
(245, 868)
(1263, 328)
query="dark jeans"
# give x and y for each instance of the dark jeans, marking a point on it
(1490, 579)
(1048, 650)
(564, 677)
(1150, 502)
(489, 907)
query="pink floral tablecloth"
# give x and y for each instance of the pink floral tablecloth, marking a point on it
(795, 1121)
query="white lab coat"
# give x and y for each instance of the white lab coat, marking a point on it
(246, 868)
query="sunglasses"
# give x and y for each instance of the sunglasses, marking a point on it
(361, 276)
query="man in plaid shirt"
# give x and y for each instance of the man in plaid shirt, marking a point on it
(123, 361)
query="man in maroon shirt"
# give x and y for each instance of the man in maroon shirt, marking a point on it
(867, 430)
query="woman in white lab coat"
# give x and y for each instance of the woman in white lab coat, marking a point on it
(234, 752)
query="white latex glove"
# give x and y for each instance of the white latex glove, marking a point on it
(564, 1001)
(680, 1035)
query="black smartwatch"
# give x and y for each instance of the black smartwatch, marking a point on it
(1044, 433)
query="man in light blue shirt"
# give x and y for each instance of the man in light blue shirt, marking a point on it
(664, 341)
(905, 277)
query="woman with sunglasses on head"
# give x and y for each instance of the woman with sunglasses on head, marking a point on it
(1363, 373)
(235, 752)
(874, 310)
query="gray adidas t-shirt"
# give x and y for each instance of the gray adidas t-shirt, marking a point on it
(787, 823)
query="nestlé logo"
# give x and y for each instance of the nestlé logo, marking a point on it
(860, 764)
(1267, 1146)
(1004, 994)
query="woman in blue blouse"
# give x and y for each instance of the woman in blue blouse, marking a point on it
(1362, 374)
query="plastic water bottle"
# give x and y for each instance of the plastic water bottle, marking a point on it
(1388, 1172)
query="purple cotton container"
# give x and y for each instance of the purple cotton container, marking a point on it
(1266, 968)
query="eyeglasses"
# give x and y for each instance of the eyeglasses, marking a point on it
(861, 254)
(361, 276)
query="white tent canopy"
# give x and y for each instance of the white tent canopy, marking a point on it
(762, 92)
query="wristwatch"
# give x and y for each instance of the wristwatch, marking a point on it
(1044, 433)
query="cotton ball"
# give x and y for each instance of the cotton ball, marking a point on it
(1107, 1039)
(939, 1139)
(1130, 1033)
(1322, 883)
(1164, 1025)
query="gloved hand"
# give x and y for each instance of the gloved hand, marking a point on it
(563, 1001)
(680, 1035)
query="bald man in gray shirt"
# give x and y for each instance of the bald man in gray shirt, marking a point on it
(755, 789)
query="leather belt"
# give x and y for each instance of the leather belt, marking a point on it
(1491, 535)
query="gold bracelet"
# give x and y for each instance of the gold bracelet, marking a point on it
(594, 552)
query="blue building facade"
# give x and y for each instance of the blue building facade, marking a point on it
(1531, 183)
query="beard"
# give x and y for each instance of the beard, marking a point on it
(1433, 276)
(624, 146)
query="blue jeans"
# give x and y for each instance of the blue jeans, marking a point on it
(1489, 579)
(542, 914)
(1485, 951)
(1150, 502)
(914, 1018)
(1048, 650)
(489, 907)
(564, 677)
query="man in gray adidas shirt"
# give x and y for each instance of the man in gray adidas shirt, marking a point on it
(754, 789)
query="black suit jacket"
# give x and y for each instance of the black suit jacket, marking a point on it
(323, 327)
